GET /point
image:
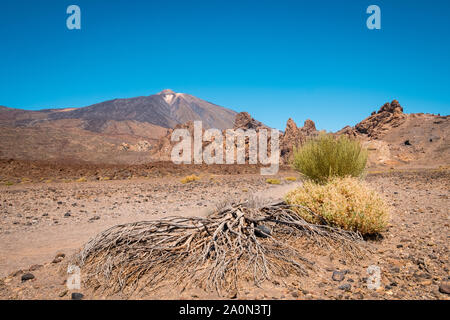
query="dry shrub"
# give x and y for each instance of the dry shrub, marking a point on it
(291, 179)
(343, 202)
(82, 179)
(326, 156)
(273, 181)
(190, 178)
(246, 241)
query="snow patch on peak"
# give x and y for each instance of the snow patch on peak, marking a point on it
(168, 98)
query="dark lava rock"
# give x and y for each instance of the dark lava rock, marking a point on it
(345, 287)
(27, 276)
(67, 214)
(77, 296)
(262, 231)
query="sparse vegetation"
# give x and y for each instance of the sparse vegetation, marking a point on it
(190, 178)
(326, 156)
(291, 179)
(343, 202)
(82, 179)
(273, 181)
(9, 183)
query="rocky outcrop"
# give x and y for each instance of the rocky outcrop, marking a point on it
(294, 136)
(245, 121)
(394, 138)
(389, 116)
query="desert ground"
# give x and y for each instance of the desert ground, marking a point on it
(45, 220)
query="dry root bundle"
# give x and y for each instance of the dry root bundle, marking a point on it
(237, 242)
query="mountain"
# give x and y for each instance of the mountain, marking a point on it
(165, 109)
(113, 131)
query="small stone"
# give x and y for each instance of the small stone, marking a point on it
(16, 273)
(444, 287)
(77, 296)
(67, 214)
(345, 287)
(262, 231)
(338, 276)
(27, 276)
(233, 295)
(35, 267)
(57, 260)
(62, 293)
(395, 269)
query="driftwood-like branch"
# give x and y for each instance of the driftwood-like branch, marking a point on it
(239, 241)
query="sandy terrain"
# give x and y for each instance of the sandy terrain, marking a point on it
(39, 220)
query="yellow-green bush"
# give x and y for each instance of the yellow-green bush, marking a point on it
(291, 179)
(273, 181)
(347, 203)
(326, 156)
(190, 178)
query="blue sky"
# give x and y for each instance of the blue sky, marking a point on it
(274, 59)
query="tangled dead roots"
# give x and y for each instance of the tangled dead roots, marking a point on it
(237, 242)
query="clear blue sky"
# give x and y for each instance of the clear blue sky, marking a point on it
(274, 59)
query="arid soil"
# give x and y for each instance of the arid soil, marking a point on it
(38, 220)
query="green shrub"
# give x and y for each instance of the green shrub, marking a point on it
(326, 156)
(343, 202)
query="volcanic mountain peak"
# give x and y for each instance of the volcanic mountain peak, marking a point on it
(166, 91)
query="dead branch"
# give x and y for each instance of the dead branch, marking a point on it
(214, 252)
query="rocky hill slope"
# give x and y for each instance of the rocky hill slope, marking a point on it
(395, 138)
